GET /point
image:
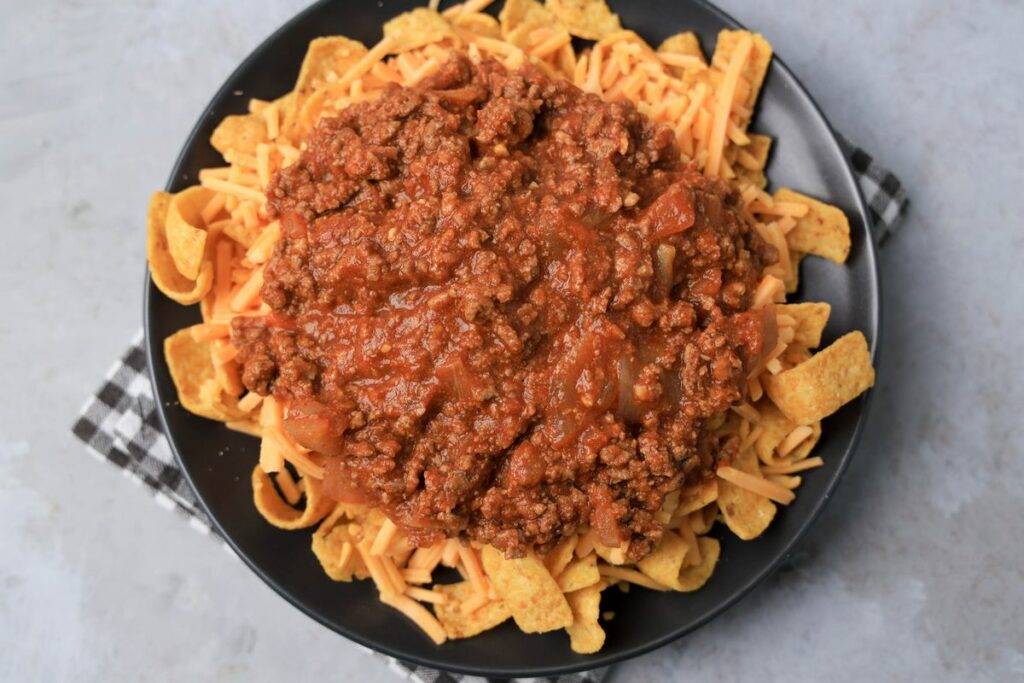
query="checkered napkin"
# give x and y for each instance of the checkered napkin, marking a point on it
(119, 423)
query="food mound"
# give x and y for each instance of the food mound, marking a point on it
(507, 295)
(504, 308)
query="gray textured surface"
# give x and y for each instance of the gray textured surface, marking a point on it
(914, 573)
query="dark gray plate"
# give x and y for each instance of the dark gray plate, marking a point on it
(218, 462)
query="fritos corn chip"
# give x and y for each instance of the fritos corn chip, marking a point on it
(194, 378)
(585, 633)
(457, 623)
(664, 564)
(524, 13)
(278, 512)
(696, 497)
(532, 595)
(811, 318)
(820, 386)
(239, 132)
(186, 230)
(746, 513)
(824, 230)
(756, 67)
(685, 43)
(579, 574)
(334, 546)
(590, 19)
(417, 28)
(561, 555)
(774, 428)
(326, 58)
(692, 578)
(162, 268)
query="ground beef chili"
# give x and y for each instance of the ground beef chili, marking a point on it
(478, 321)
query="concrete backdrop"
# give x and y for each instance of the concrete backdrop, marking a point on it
(914, 572)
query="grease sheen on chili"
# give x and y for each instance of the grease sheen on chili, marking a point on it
(505, 309)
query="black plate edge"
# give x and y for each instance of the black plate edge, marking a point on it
(596, 661)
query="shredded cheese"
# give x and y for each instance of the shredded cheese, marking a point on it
(681, 60)
(450, 555)
(418, 614)
(754, 388)
(209, 332)
(261, 249)
(770, 289)
(289, 489)
(394, 576)
(724, 101)
(247, 293)
(271, 459)
(414, 575)
(427, 558)
(223, 352)
(630, 576)
(426, 595)
(213, 173)
(753, 436)
(212, 208)
(551, 45)
(761, 487)
(784, 481)
(250, 402)
(294, 454)
(234, 189)
(384, 537)
(271, 116)
(471, 562)
(366, 62)
(792, 468)
(345, 556)
(229, 379)
(793, 439)
(747, 412)
(377, 572)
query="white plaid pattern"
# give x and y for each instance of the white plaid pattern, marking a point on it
(119, 422)
(885, 195)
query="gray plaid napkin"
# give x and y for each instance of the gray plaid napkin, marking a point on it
(119, 423)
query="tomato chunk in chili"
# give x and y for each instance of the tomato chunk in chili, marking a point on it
(505, 309)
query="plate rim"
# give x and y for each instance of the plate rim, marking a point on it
(597, 660)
